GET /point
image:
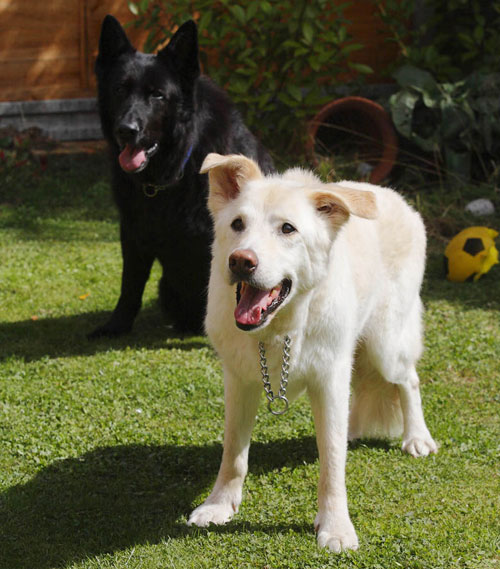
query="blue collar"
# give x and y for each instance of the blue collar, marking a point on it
(186, 158)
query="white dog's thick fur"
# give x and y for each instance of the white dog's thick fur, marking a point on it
(338, 268)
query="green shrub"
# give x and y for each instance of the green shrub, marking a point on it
(273, 58)
(449, 38)
(459, 122)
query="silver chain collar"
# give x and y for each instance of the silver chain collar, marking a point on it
(285, 366)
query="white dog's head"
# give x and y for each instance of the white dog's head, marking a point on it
(273, 234)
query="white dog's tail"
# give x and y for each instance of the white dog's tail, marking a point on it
(375, 404)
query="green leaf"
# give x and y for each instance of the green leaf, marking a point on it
(314, 63)
(237, 86)
(286, 99)
(244, 71)
(458, 162)
(295, 92)
(263, 100)
(301, 51)
(316, 99)
(465, 39)
(266, 7)
(360, 67)
(402, 105)
(252, 10)
(291, 43)
(409, 76)
(308, 32)
(239, 13)
(347, 49)
(204, 21)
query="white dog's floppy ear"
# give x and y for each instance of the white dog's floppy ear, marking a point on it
(338, 202)
(226, 177)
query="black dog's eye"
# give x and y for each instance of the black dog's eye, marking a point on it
(120, 89)
(238, 225)
(287, 228)
(157, 94)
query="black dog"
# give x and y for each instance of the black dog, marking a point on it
(161, 117)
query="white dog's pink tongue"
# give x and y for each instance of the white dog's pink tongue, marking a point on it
(253, 302)
(131, 158)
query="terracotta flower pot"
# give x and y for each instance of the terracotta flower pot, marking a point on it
(354, 125)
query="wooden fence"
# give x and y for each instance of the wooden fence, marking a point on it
(48, 47)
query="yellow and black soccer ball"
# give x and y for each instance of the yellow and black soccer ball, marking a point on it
(470, 254)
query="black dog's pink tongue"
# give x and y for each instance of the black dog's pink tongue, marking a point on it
(253, 302)
(131, 158)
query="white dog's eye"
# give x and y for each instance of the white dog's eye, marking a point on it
(287, 228)
(238, 224)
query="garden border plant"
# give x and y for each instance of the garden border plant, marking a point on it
(449, 98)
(459, 122)
(273, 58)
(450, 39)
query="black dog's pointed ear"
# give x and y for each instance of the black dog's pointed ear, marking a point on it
(182, 49)
(113, 41)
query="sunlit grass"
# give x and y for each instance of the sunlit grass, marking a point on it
(106, 446)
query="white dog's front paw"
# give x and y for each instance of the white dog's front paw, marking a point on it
(338, 537)
(206, 514)
(419, 446)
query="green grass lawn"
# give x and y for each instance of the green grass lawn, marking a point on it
(106, 446)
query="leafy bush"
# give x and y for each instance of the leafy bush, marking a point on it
(274, 58)
(460, 121)
(452, 39)
(449, 97)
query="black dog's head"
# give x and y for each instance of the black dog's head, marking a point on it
(146, 101)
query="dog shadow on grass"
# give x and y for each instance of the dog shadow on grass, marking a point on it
(66, 336)
(113, 498)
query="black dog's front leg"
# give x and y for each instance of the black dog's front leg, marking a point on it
(136, 269)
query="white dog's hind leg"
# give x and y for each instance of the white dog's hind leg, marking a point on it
(417, 439)
(330, 405)
(375, 403)
(241, 403)
(394, 351)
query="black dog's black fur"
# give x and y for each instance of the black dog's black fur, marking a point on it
(161, 117)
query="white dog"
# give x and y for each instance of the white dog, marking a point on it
(326, 279)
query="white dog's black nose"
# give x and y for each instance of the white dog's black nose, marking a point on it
(243, 262)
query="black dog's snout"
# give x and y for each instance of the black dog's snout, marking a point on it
(243, 262)
(127, 131)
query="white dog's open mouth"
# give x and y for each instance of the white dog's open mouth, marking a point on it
(254, 305)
